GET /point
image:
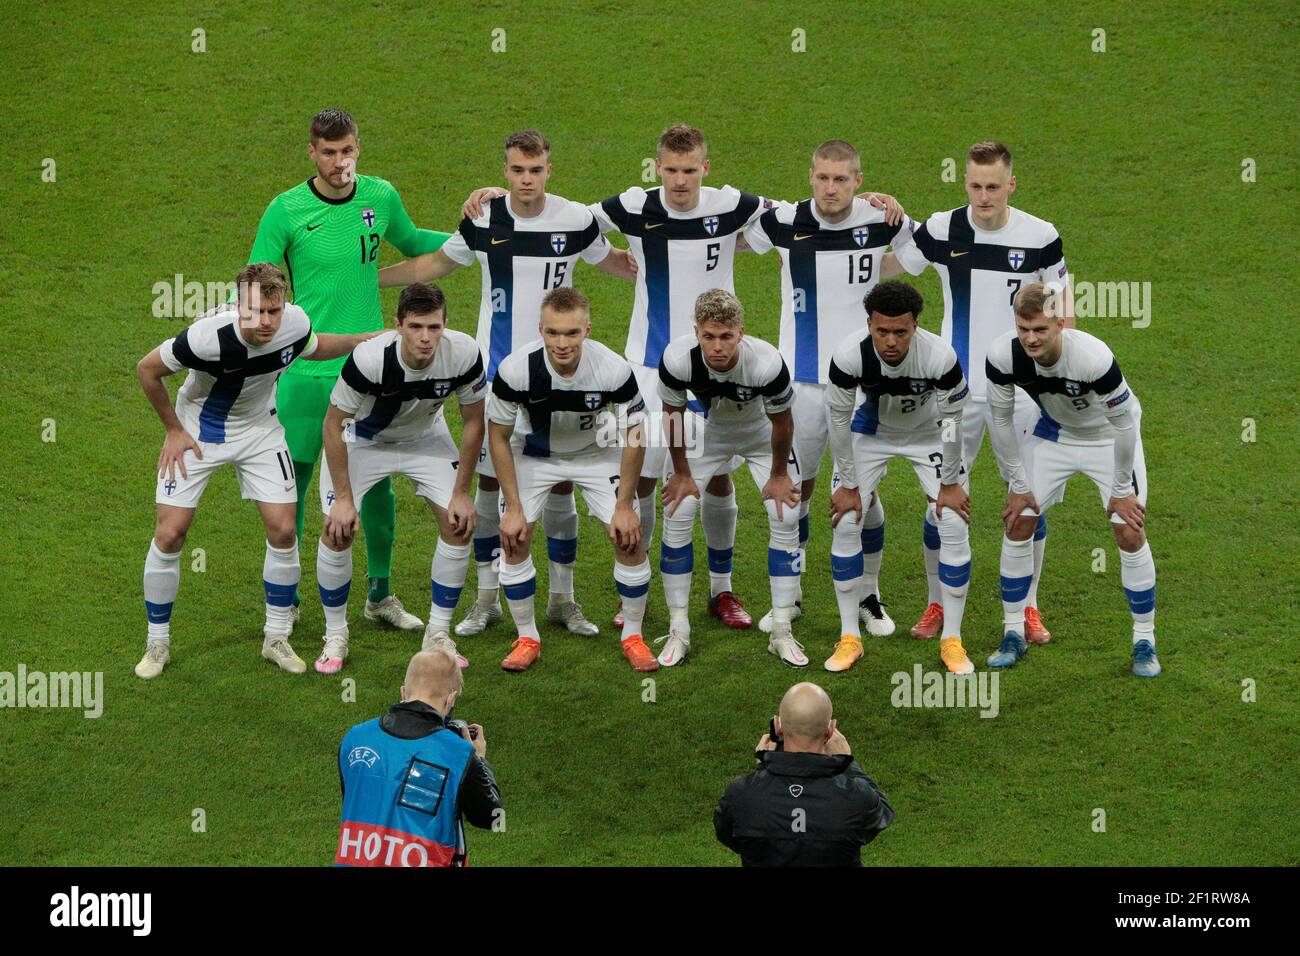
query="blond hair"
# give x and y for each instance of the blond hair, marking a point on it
(836, 151)
(720, 306)
(266, 276)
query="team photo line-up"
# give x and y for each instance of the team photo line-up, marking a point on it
(299, 365)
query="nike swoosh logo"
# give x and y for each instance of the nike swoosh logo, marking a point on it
(798, 237)
(387, 394)
(317, 226)
(230, 371)
(534, 401)
(954, 255)
(497, 242)
(653, 225)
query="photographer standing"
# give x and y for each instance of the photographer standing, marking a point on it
(808, 803)
(409, 775)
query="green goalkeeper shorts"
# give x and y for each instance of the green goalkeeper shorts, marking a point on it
(301, 403)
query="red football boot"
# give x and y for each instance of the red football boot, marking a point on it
(727, 607)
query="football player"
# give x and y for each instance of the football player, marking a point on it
(743, 387)
(225, 413)
(327, 232)
(385, 419)
(1088, 422)
(550, 419)
(984, 252)
(526, 242)
(914, 392)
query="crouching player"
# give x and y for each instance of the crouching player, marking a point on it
(744, 385)
(385, 418)
(225, 414)
(915, 390)
(560, 389)
(1089, 423)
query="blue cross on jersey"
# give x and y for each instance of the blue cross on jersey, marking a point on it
(169, 485)
(1015, 257)
(369, 216)
(860, 236)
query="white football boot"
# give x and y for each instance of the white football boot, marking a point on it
(156, 657)
(765, 624)
(478, 619)
(276, 649)
(874, 619)
(390, 611)
(443, 640)
(569, 613)
(676, 646)
(334, 653)
(784, 646)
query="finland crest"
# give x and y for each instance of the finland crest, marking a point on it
(368, 216)
(593, 400)
(286, 355)
(1073, 388)
(860, 236)
(441, 388)
(743, 393)
(1016, 257)
(918, 385)
(711, 225)
(558, 241)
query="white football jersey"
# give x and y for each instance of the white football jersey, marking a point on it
(910, 397)
(827, 269)
(1075, 397)
(679, 256)
(231, 384)
(560, 416)
(981, 273)
(391, 402)
(521, 261)
(730, 398)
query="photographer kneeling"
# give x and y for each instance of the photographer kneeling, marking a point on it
(808, 803)
(408, 776)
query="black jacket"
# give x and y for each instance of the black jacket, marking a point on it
(801, 809)
(479, 796)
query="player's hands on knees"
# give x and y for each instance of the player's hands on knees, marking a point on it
(340, 524)
(461, 514)
(782, 490)
(1017, 503)
(893, 209)
(845, 501)
(1130, 509)
(513, 529)
(625, 528)
(677, 489)
(172, 458)
(953, 497)
(473, 207)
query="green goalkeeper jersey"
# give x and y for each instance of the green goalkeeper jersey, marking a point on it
(330, 250)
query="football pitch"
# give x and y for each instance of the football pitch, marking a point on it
(1160, 150)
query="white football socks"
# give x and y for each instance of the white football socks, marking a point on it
(162, 580)
(334, 580)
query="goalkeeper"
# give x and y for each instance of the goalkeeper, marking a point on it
(327, 231)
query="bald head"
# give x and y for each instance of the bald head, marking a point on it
(805, 712)
(431, 676)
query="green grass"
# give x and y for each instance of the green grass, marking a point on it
(165, 161)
